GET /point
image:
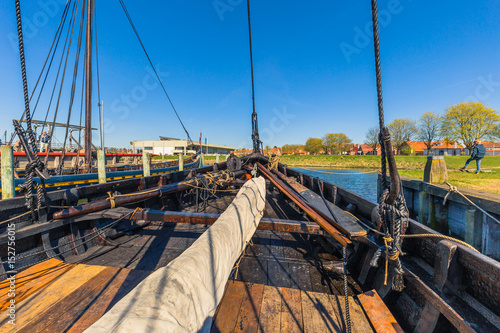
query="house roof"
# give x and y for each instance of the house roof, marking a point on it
(490, 144)
(364, 147)
(417, 146)
(443, 144)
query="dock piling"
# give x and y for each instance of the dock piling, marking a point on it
(101, 166)
(8, 187)
(145, 164)
(181, 162)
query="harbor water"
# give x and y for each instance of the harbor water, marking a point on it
(362, 182)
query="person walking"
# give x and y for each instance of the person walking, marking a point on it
(478, 153)
(44, 141)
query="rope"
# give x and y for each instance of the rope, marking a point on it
(153, 67)
(274, 162)
(415, 235)
(440, 236)
(454, 189)
(97, 232)
(237, 265)
(16, 217)
(37, 164)
(342, 173)
(112, 198)
(347, 313)
(255, 126)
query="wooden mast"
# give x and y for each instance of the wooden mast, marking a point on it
(88, 88)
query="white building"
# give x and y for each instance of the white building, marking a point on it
(171, 146)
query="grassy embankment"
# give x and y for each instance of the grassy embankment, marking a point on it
(409, 166)
(412, 166)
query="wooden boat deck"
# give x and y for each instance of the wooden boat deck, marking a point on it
(289, 281)
(254, 307)
(54, 296)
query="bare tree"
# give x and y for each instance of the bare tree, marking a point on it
(371, 138)
(402, 130)
(429, 127)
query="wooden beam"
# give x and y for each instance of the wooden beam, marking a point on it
(377, 312)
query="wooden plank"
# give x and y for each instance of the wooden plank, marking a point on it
(229, 308)
(300, 277)
(278, 274)
(270, 312)
(57, 309)
(359, 322)
(37, 303)
(276, 244)
(435, 300)
(33, 279)
(96, 303)
(428, 319)
(377, 312)
(430, 314)
(253, 269)
(318, 313)
(248, 318)
(291, 311)
(320, 283)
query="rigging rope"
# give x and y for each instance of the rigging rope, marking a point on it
(73, 89)
(394, 214)
(154, 69)
(255, 126)
(98, 80)
(36, 164)
(454, 189)
(70, 35)
(57, 37)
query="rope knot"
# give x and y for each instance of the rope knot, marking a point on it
(111, 199)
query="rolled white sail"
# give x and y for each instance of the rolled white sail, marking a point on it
(184, 295)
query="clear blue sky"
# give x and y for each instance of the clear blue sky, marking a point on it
(314, 68)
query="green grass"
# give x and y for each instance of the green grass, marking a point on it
(484, 181)
(413, 166)
(368, 161)
(165, 157)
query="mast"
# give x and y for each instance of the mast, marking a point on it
(255, 124)
(88, 88)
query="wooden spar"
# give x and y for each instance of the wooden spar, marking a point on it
(135, 196)
(204, 218)
(393, 169)
(327, 218)
(305, 207)
(88, 88)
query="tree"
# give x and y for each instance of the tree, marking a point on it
(402, 130)
(371, 137)
(468, 121)
(289, 149)
(313, 145)
(429, 127)
(267, 149)
(336, 142)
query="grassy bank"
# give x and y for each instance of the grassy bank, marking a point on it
(368, 162)
(412, 166)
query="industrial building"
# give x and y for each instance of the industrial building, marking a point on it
(172, 146)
